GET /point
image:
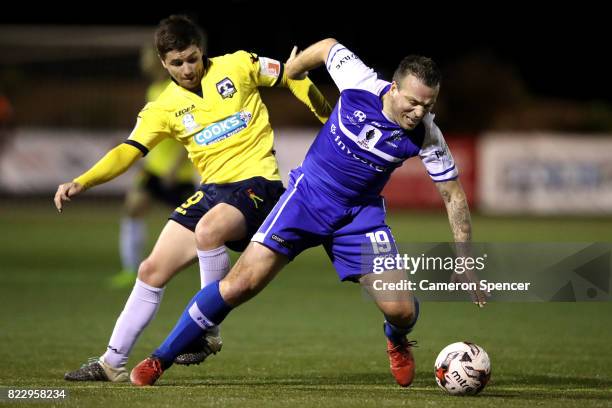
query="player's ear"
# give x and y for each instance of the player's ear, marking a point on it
(162, 61)
(394, 88)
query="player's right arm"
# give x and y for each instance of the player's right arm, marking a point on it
(150, 129)
(114, 163)
(344, 66)
(312, 57)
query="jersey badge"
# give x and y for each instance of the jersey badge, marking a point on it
(226, 88)
(368, 137)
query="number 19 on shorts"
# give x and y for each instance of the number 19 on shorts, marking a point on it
(380, 242)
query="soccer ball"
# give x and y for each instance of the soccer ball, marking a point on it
(462, 368)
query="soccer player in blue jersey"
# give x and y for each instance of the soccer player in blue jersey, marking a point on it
(334, 198)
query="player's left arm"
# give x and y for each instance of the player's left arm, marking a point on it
(312, 57)
(441, 167)
(461, 225)
(306, 91)
(271, 73)
(457, 208)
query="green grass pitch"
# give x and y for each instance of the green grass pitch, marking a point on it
(307, 340)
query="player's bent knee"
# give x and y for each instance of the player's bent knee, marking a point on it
(150, 273)
(399, 312)
(209, 235)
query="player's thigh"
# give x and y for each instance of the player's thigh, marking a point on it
(254, 198)
(365, 251)
(223, 223)
(174, 250)
(302, 218)
(255, 268)
(357, 248)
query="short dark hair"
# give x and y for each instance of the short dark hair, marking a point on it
(177, 32)
(425, 69)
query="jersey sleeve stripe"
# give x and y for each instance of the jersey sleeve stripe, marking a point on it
(137, 145)
(448, 179)
(333, 54)
(442, 172)
(279, 79)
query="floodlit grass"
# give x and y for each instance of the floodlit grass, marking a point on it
(307, 340)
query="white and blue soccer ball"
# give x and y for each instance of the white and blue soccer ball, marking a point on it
(462, 368)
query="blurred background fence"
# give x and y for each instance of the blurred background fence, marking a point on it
(69, 93)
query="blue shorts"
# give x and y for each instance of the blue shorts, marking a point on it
(254, 197)
(305, 217)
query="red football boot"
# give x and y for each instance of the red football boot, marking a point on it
(401, 361)
(147, 371)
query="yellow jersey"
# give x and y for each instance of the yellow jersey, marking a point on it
(226, 132)
(161, 160)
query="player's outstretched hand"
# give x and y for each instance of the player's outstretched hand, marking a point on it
(65, 192)
(479, 297)
(291, 73)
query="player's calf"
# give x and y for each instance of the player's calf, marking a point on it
(399, 348)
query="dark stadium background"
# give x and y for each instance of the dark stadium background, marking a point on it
(559, 50)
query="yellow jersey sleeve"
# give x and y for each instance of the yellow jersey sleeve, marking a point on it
(269, 72)
(262, 71)
(114, 163)
(152, 126)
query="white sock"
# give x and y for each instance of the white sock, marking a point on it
(138, 312)
(131, 242)
(214, 265)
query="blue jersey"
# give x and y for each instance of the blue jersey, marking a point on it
(358, 148)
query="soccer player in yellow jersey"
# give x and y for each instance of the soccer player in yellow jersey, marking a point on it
(214, 109)
(167, 175)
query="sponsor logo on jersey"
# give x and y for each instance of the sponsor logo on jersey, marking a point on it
(368, 137)
(223, 129)
(333, 129)
(396, 136)
(184, 111)
(189, 122)
(343, 147)
(226, 88)
(345, 59)
(269, 67)
(393, 145)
